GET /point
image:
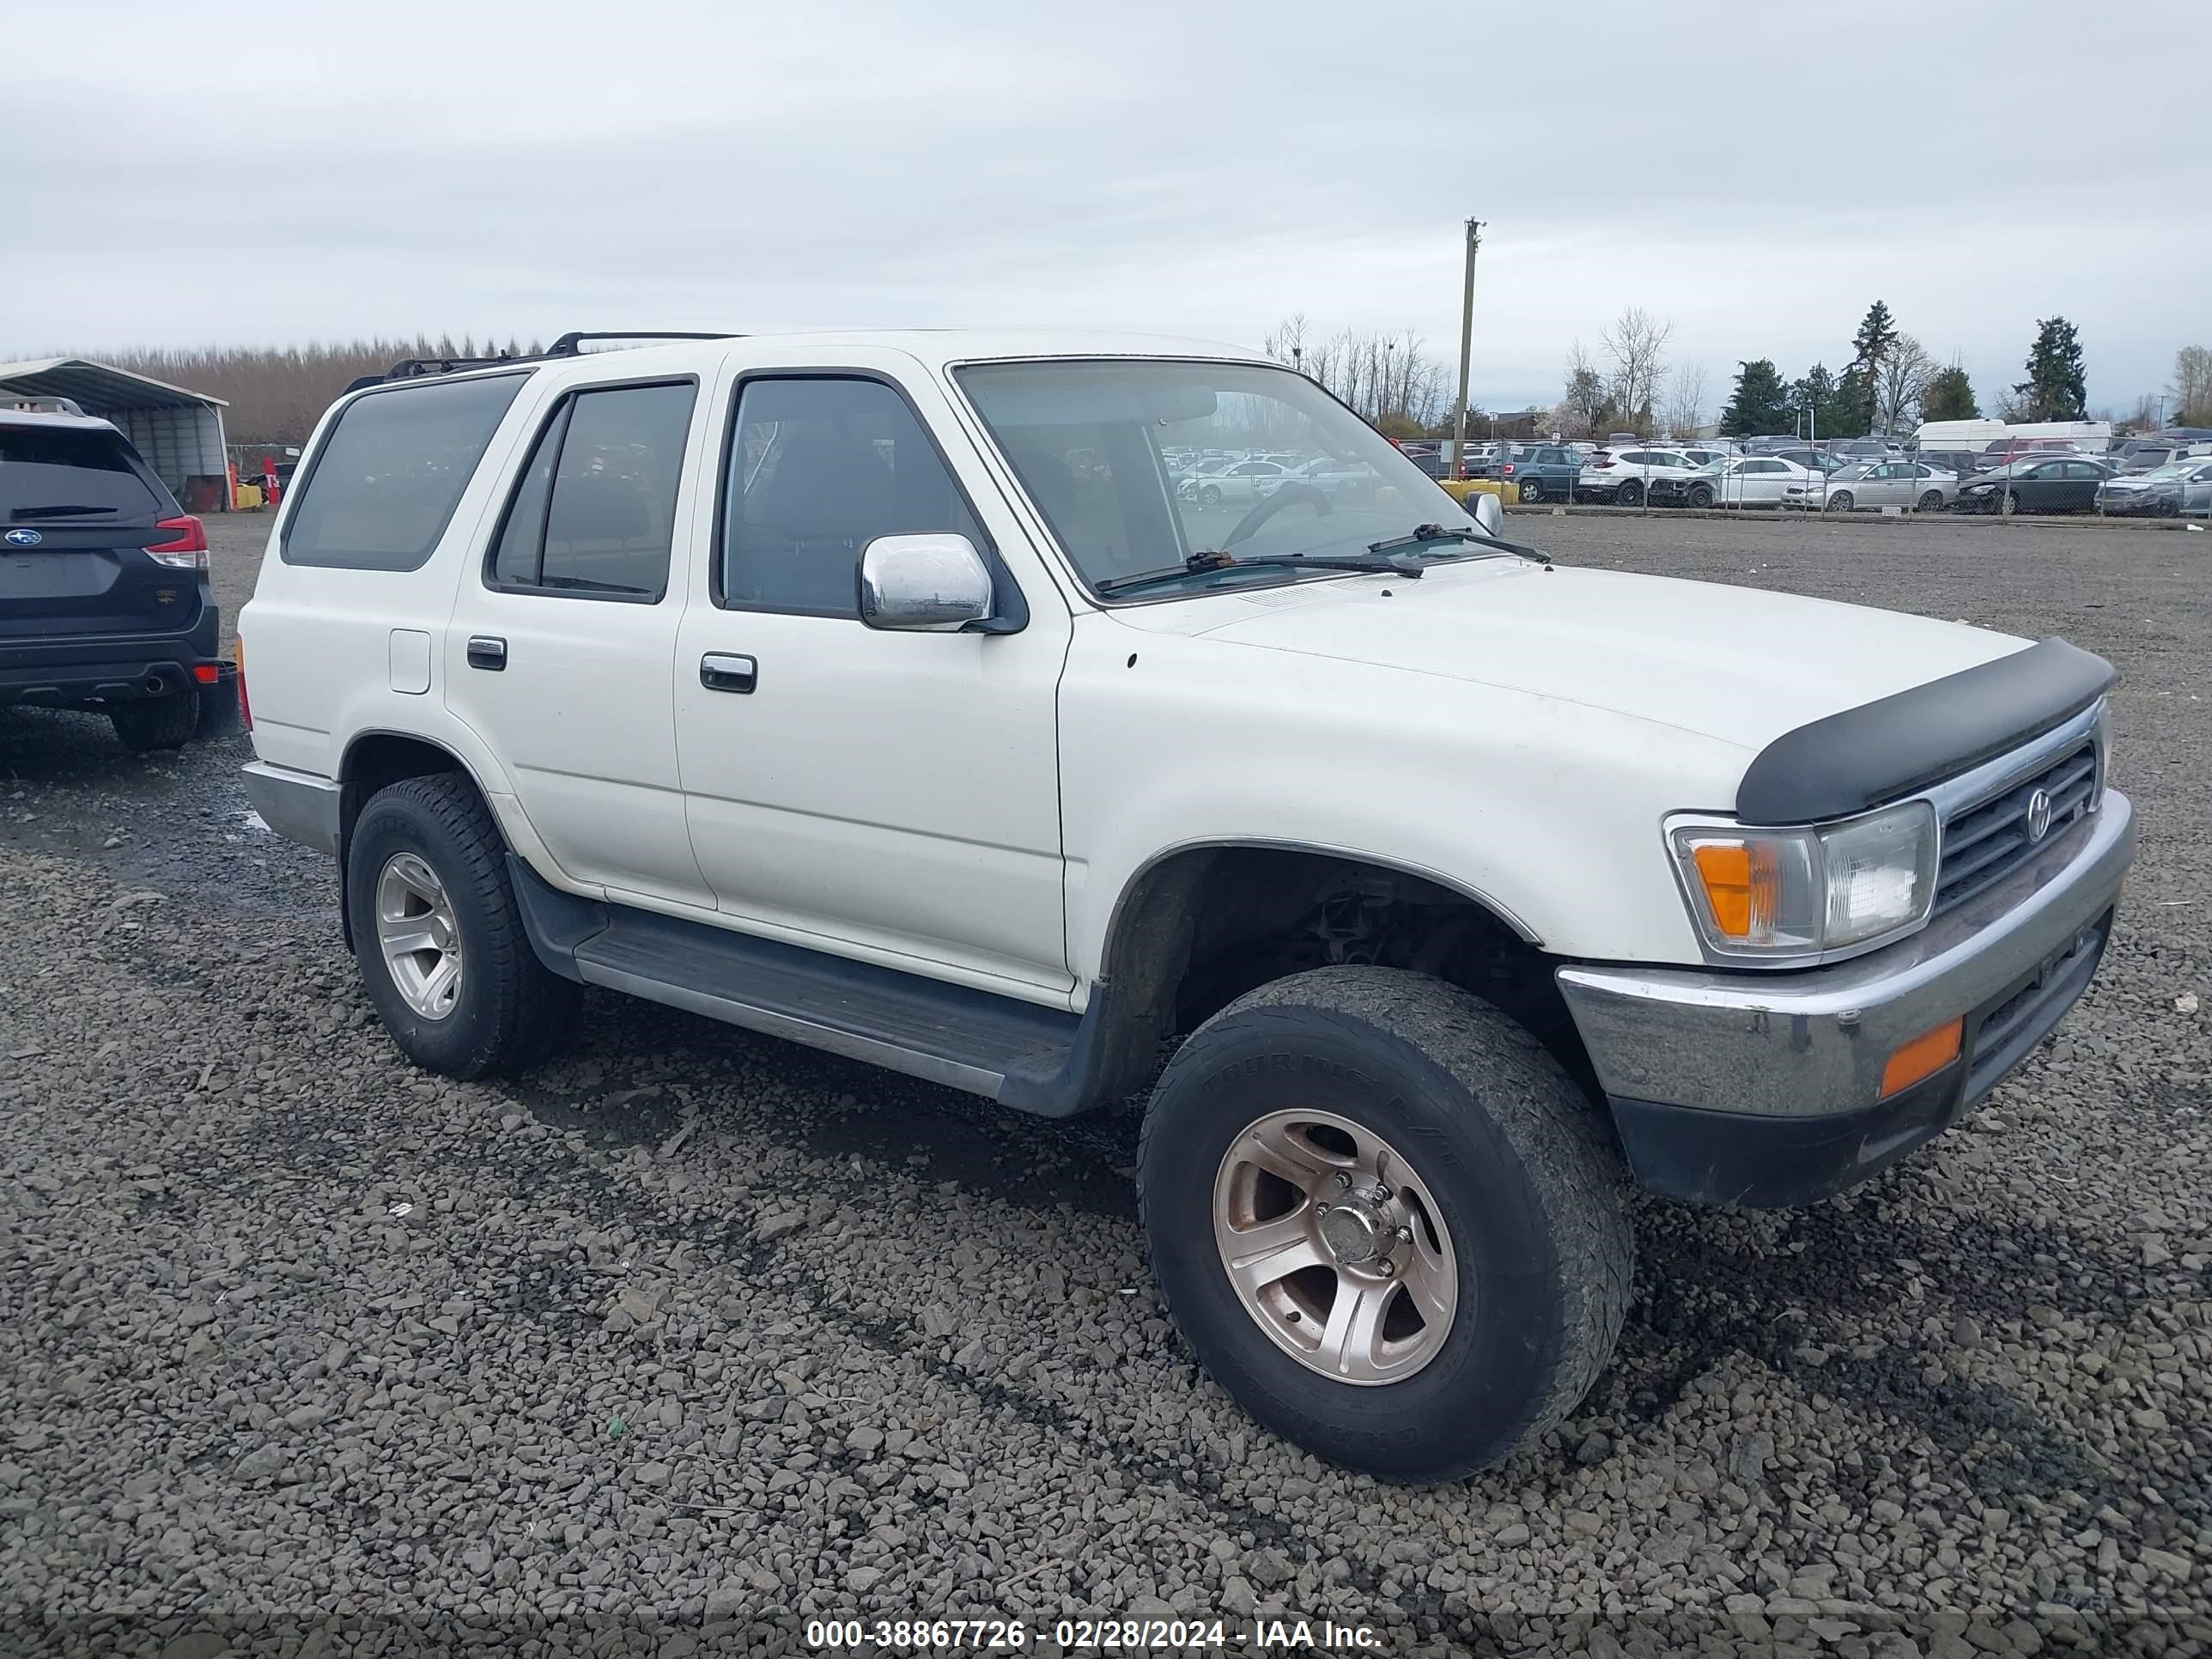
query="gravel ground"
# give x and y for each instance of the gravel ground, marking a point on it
(692, 1334)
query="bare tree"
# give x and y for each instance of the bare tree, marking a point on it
(277, 393)
(1287, 344)
(1686, 400)
(1633, 344)
(1900, 383)
(2192, 386)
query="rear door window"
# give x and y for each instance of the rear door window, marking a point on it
(383, 486)
(594, 516)
(60, 474)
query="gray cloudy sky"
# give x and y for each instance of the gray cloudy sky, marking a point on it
(1757, 173)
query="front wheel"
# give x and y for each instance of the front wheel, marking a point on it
(1385, 1221)
(439, 937)
(1701, 495)
(1210, 497)
(2010, 504)
(1532, 491)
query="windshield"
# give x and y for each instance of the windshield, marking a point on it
(2172, 469)
(1123, 512)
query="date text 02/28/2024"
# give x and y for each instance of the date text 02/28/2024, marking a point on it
(1090, 1635)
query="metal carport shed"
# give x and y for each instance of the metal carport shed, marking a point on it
(178, 431)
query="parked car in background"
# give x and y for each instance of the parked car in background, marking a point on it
(1349, 480)
(1545, 472)
(2176, 487)
(1626, 477)
(1892, 483)
(1240, 482)
(1755, 481)
(1814, 460)
(2144, 457)
(1962, 464)
(2053, 483)
(105, 603)
(1865, 450)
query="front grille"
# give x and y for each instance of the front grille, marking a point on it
(1986, 842)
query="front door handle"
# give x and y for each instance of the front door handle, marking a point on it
(720, 672)
(487, 651)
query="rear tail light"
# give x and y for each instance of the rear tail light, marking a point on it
(1602, 460)
(1507, 471)
(188, 550)
(245, 705)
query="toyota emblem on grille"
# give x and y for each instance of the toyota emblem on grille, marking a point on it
(2039, 815)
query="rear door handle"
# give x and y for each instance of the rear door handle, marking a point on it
(720, 672)
(487, 651)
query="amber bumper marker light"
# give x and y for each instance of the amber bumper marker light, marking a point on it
(1925, 1055)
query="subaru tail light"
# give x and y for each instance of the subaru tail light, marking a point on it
(187, 548)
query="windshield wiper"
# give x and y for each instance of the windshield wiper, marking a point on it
(66, 510)
(1200, 564)
(1425, 533)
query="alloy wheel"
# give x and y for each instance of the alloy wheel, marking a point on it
(1336, 1246)
(417, 933)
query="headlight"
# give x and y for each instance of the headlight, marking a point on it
(1808, 892)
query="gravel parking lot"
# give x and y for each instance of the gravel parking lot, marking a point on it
(693, 1335)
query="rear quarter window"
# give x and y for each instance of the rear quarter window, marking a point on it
(55, 475)
(383, 486)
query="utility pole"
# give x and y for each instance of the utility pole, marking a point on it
(1466, 347)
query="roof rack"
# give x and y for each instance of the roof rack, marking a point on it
(570, 345)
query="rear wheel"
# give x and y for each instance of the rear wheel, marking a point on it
(1532, 490)
(1932, 502)
(1630, 494)
(438, 935)
(1385, 1220)
(163, 722)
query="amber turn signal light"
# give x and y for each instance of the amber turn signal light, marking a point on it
(1925, 1055)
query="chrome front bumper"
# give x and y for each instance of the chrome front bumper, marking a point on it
(297, 805)
(1795, 1061)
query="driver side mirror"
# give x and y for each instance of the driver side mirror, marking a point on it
(1489, 516)
(924, 584)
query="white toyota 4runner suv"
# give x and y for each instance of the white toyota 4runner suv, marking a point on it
(882, 693)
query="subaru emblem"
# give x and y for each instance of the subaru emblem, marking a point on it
(2039, 815)
(24, 538)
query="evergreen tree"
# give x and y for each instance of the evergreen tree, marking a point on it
(1817, 405)
(1760, 403)
(2053, 390)
(1950, 397)
(1870, 348)
(1851, 411)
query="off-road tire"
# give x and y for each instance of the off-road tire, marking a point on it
(1528, 1180)
(511, 1009)
(163, 722)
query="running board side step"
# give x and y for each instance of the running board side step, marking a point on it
(998, 1046)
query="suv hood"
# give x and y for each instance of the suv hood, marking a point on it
(1738, 665)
